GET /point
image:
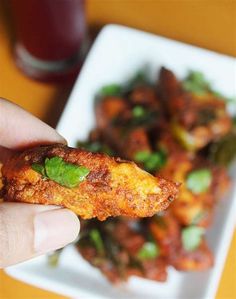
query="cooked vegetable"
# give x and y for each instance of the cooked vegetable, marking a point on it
(184, 137)
(192, 237)
(63, 173)
(199, 180)
(189, 121)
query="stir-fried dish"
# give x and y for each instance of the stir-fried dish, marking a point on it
(179, 130)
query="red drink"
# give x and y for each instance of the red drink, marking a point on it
(50, 36)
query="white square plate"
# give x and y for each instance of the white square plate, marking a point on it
(116, 55)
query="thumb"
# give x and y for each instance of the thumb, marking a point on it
(29, 230)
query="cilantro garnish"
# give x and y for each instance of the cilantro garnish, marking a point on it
(199, 180)
(141, 78)
(196, 83)
(192, 237)
(138, 111)
(96, 238)
(96, 147)
(61, 172)
(151, 161)
(149, 250)
(39, 168)
(111, 90)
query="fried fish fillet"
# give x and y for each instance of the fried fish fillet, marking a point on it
(113, 186)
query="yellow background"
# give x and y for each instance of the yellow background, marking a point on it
(207, 23)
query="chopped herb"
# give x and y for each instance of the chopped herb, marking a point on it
(151, 161)
(147, 118)
(65, 174)
(149, 250)
(191, 237)
(111, 90)
(196, 83)
(139, 79)
(97, 240)
(140, 117)
(39, 168)
(96, 147)
(192, 87)
(155, 161)
(138, 111)
(199, 181)
(142, 156)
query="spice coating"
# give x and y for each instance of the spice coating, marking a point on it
(113, 186)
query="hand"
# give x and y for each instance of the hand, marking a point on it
(28, 230)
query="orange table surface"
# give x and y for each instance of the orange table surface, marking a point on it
(206, 23)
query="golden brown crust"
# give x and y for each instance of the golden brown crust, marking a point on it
(113, 187)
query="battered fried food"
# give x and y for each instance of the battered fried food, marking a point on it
(112, 186)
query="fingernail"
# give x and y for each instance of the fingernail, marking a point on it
(54, 229)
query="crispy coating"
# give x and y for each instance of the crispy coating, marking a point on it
(113, 187)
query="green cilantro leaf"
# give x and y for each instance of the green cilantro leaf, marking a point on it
(142, 77)
(138, 111)
(191, 237)
(142, 156)
(96, 147)
(111, 90)
(196, 83)
(149, 250)
(151, 161)
(194, 88)
(96, 238)
(38, 168)
(65, 174)
(199, 181)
